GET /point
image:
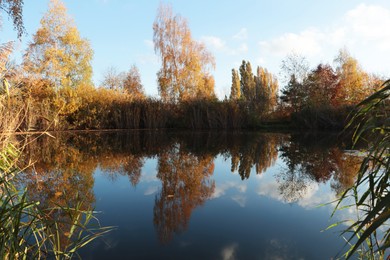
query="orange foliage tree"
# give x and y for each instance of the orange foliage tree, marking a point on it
(186, 64)
(57, 52)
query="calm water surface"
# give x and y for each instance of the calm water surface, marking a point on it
(199, 195)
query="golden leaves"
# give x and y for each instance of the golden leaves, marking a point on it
(57, 52)
(185, 63)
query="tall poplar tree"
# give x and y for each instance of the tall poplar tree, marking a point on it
(57, 52)
(266, 89)
(235, 91)
(247, 81)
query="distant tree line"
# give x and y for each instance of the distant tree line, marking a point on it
(52, 88)
(323, 97)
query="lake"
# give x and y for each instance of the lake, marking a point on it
(198, 195)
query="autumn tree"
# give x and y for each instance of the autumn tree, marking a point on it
(125, 82)
(247, 81)
(352, 79)
(266, 88)
(186, 64)
(235, 91)
(57, 52)
(132, 83)
(113, 79)
(322, 86)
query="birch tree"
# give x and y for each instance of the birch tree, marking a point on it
(57, 52)
(185, 63)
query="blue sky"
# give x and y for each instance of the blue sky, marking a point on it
(263, 32)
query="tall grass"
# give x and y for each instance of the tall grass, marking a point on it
(30, 232)
(27, 230)
(369, 234)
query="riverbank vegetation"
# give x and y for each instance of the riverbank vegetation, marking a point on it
(52, 88)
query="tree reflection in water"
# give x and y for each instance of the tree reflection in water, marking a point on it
(64, 166)
(314, 159)
(260, 151)
(186, 184)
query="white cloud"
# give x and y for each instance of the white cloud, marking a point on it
(229, 252)
(307, 43)
(219, 45)
(218, 192)
(241, 187)
(371, 24)
(221, 189)
(269, 189)
(151, 190)
(364, 30)
(214, 42)
(240, 199)
(242, 34)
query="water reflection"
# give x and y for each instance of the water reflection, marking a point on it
(314, 159)
(260, 151)
(186, 184)
(64, 168)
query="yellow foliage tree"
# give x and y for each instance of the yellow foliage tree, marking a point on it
(353, 81)
(186, 64)
(235, 90)
(267, 88)
(57, 52)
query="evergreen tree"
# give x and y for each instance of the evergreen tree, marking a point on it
(293, 94)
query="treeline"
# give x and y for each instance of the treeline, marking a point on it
(323, 97)
(319, 98)
(52, 88)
